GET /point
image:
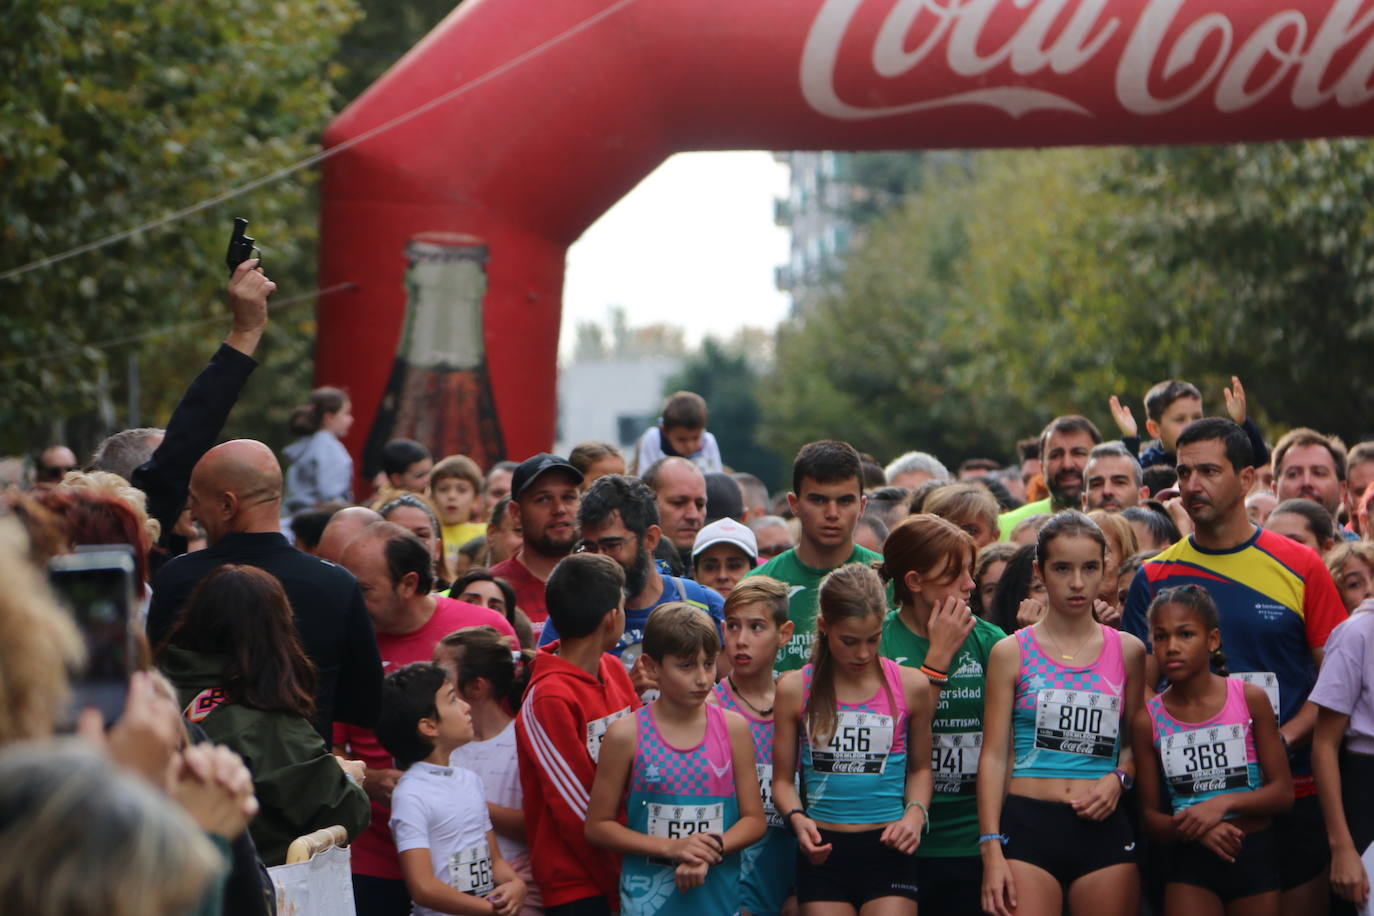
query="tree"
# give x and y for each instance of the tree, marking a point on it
(114, 113)
(1031, 284)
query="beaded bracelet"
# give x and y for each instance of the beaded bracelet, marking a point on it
(999, 837)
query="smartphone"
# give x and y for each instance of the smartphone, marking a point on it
(96, 585)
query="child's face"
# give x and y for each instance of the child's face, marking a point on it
(455, 498)
(721, 566)
(1295, 527)
(684, 679)
(454, 722)
(1072, 573)
(947, 582)
(1176, 416)
(685, 442)
(1123, 584)
(752, 639)
(1180, 641)
(854, 641)
(1356, 583)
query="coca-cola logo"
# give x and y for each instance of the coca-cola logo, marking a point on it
(1331, 61)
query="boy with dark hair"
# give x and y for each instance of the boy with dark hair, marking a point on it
(1170, 406)
(681, 432)
(444, 835)
(576, 691)
(827, 498)
(407, 465)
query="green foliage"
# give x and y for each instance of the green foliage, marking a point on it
(113, 113)
(386, 31)
(725, 376)
(1038, 283)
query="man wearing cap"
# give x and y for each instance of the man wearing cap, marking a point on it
(723, 554)
(619, 517)
(544, 498)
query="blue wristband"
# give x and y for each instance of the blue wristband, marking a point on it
(999, 837)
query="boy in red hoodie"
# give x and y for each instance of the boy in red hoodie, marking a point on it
(576, 691)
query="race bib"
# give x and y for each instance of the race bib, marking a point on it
(861, 743)
(1206, 760)
(1077, 722)
(469, 870)
(954, 761)
(596, 732)
(770, 810)
(1267, 681)
(677, 821)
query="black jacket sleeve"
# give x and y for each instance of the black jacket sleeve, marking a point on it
(194, 426)
(358, 696)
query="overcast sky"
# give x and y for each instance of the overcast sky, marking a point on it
(694, 245)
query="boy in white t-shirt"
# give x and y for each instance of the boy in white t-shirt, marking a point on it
(449, 855)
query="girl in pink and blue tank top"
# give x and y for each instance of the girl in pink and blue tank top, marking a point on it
(684, 771)
(1051, 826)
(1215, 743)
(862, 723)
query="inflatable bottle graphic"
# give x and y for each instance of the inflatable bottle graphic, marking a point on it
(439, 393)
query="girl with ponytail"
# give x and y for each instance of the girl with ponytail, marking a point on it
(320, 469)
(492, 679)
(864, 727)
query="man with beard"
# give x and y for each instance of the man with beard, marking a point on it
(1113, 479)
(543, 505)
(1276, 604)
(619, 517)
(1308, 465)
(1064, 448)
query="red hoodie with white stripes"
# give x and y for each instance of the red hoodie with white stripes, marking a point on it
(558, 735)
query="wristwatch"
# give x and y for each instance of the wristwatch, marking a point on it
(1127, 780)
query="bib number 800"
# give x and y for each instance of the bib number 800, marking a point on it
(1080, 719)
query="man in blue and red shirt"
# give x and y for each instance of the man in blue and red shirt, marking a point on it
(1277, 604)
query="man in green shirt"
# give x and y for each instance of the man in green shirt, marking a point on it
(1064, 449)
(827, 498)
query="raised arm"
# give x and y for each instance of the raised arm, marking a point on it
(199, 417)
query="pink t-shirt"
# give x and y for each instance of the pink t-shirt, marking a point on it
(374, 853)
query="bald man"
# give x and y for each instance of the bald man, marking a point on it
(235, 493)
(343, 526)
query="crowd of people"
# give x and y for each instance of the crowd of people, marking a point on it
(1111, 676)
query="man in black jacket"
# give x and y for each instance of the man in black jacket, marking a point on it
(235, 493)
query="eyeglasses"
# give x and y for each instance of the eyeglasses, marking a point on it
(604, 545)
(47, 472)
(773, 550)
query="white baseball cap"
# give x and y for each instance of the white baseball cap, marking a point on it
(726, 531)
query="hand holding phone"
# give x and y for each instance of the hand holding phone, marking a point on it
(96, 585)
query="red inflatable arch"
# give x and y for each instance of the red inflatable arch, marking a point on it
(454, 225)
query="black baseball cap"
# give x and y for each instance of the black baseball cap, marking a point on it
(531, 468)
